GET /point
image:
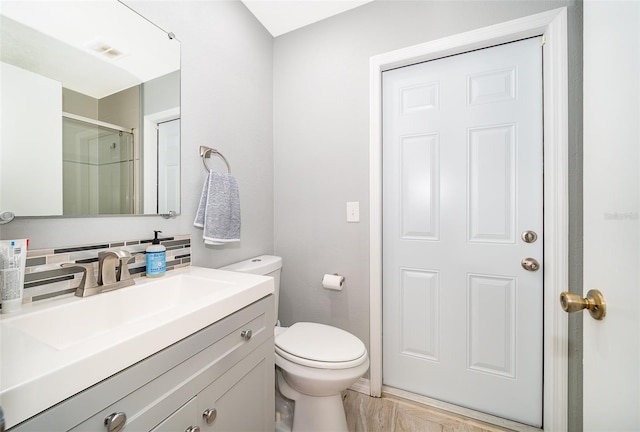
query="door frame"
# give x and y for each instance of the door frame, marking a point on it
(552, 25)
(150, 160)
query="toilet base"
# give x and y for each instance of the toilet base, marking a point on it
(284, 412)
(314, 413)
(319, 414)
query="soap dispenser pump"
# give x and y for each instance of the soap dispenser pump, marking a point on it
(156, 255)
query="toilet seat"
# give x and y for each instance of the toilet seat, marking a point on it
(320, 346)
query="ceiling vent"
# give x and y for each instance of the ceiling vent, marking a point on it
(105, 50)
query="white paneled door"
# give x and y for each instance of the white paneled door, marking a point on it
(462, 183)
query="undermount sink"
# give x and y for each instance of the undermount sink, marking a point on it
(69, 324)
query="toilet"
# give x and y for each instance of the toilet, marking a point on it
(315, 362)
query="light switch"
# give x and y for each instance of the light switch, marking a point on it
(353, 211)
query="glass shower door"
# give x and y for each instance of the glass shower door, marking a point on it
(98, 169)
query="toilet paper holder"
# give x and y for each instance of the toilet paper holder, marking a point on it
(333, 281)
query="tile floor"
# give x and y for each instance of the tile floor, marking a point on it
(387, 414)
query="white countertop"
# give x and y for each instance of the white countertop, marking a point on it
(38, 368)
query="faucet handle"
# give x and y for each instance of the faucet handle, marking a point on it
(109, 260)
(107, 263)
(123, 268)
(88, 277)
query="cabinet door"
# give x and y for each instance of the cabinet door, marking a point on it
(180, 420)
(243, 398)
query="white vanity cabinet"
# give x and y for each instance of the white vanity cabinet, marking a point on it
(224, 373)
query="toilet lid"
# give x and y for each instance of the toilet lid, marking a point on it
(320, 342)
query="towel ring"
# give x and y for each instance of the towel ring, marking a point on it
(205, 152)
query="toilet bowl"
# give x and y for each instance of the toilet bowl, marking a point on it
(315, 362)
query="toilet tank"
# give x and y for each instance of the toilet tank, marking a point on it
(266, 265)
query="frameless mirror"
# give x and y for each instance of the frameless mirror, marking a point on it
(90, 110)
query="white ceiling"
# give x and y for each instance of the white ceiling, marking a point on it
(282, 16)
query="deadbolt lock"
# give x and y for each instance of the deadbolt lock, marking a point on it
(529, 236)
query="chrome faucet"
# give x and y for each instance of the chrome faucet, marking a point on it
(113, 273)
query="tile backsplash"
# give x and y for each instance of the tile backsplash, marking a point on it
(44, 278)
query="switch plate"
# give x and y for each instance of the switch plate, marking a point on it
(353, 211)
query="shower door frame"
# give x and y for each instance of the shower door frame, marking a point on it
(552, 25)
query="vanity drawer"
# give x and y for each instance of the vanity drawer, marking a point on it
(176, 421)
(149, 391)
(159, 398)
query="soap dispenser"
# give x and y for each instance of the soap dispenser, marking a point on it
(156, 257)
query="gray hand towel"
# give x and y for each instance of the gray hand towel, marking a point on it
(219, 209)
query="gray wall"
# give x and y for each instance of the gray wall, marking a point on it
(121, 108)
(161, 93)
(227, 81)
(80, 104)
(321, 143)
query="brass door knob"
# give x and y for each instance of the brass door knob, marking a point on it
(594, 302)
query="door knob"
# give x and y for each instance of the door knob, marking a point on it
(594, 302)
(530, 264)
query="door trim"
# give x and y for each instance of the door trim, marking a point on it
(150, 151)
(553, 26)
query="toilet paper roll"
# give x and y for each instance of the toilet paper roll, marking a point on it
(333, 282)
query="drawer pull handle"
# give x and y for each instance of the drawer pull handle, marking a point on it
(192, 429)
(246, 334)
(115, 422)
(210, 415)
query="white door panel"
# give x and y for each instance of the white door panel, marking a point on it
(169, 166)
(611, 375)
(462, 179)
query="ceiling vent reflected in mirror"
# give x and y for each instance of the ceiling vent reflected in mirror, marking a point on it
(105, 50)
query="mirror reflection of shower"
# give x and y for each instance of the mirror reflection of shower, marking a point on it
(99, 168)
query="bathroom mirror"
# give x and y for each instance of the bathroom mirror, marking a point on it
(90, 110)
